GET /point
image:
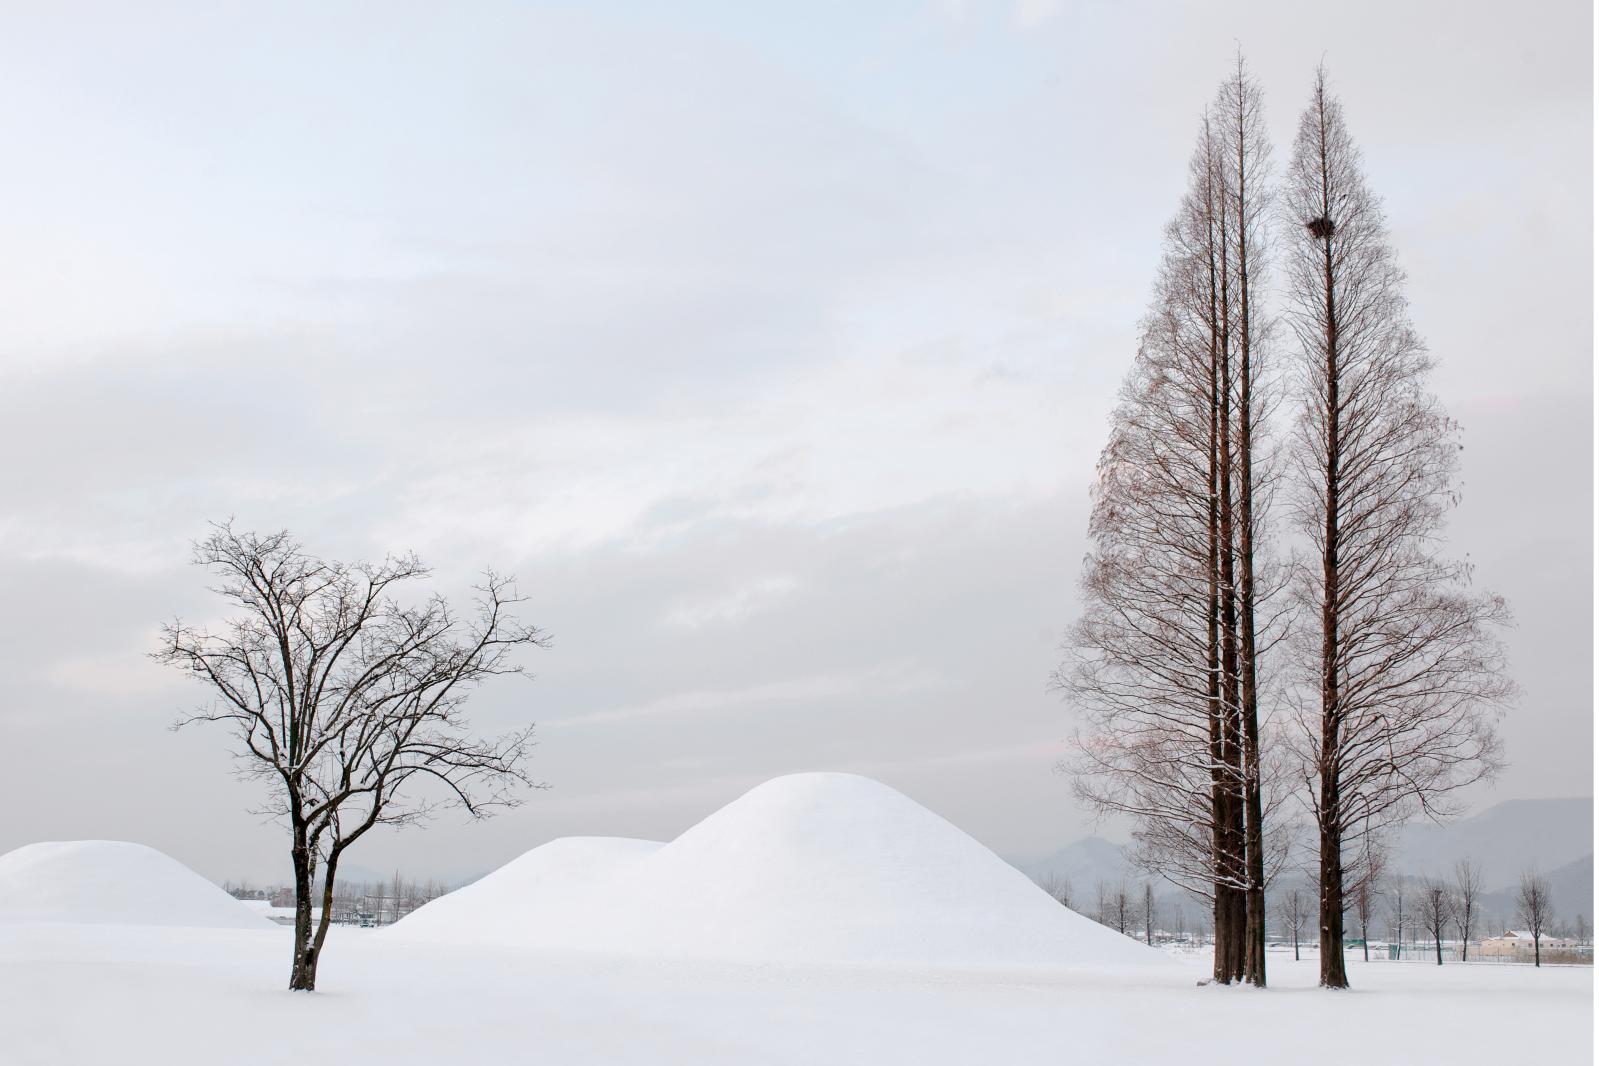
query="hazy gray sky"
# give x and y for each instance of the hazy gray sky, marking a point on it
(772, 350)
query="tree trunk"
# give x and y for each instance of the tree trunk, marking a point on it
(1249, 718)
(302, 977)
(1331, 896)
(1221, 844)
(1233, 871)
(332, 866)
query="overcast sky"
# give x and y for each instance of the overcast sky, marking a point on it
(772, 351)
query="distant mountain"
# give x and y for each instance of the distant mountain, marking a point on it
(1084, 863)
(1570, 890)
(1504, 840)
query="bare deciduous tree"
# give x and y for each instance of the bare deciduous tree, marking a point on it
(1437, 912)
(347, 703)
(1121, 908)
(1059, 886)
(1468, 890)
(1534, 910)
(1402, 671)
(1362, 894)
(1293, 910)
(1149, 913)
(1398, 910)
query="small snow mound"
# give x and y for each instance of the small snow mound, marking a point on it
(105, 881)
(822, 867)
(533, 890)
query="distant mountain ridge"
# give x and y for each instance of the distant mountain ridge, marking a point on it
(1504, 839)
(1084, 862)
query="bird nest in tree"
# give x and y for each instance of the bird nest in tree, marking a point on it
(1321, 228)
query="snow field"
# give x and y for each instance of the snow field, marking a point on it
(197, 997)
(821, 918)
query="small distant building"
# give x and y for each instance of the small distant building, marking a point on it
(1518, 944)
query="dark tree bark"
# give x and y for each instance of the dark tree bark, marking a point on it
(347, 703)
(1149, 914)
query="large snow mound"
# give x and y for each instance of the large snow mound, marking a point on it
(540, 887)
(102, 881)
(820, 867)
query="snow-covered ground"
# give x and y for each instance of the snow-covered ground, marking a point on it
(821, 918)
(180, 997)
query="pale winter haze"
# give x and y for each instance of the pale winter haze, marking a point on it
(771, 351)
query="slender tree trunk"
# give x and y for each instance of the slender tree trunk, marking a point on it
(1233, 873)
(1254, 835)
(1220, 842)
(328, 874)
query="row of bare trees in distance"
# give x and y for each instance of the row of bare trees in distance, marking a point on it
(1444, 910)
(354, 902)
(1271, 636)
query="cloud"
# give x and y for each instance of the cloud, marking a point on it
(758, 595)
(1031, 13)
(889, 679)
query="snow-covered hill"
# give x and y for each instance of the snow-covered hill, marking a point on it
(106, 881)
(808, 868)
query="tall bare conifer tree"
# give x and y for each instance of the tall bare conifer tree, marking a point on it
(1244, 159)
(1163, 663)
(1402, 670)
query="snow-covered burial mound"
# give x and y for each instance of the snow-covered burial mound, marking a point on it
(112, 881)
(810, 868)
(515, 903)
